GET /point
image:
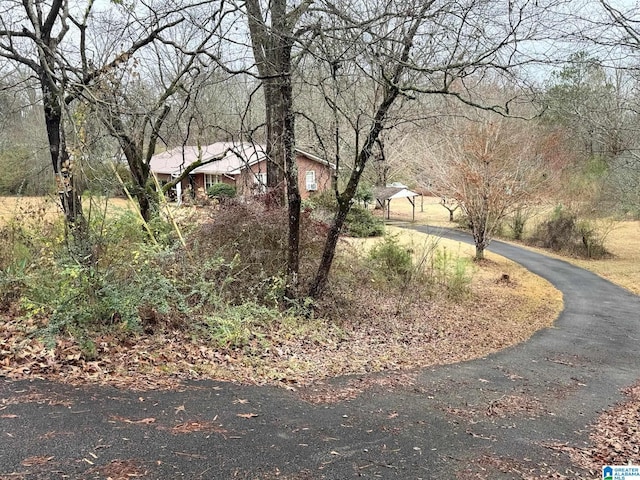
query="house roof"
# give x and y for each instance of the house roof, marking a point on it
(233, 158)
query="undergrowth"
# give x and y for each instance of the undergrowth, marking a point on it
(224, 286)
(567, 232)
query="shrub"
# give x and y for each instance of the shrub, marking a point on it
(362, 223)
(364, 195)
(325, 200)
(452, 272)
(221, 190)
(564, 232)
(250, 241)
(391, 260)
(518, 221)
(239, 326)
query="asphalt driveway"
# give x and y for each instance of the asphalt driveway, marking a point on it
(504, 416)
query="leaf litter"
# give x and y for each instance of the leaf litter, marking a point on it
(376, 334)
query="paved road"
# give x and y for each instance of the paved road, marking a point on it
(497, 418)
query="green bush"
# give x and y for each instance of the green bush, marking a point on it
(364, 195)
(362, 223)
(240, 326)
(391, 260)
(517, 222)
(221, 190)
(325, 200)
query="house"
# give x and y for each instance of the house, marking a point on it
(242, 165)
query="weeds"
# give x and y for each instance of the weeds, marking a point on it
(453, 272)
(224, 287)
(421, 268)
(391, 261)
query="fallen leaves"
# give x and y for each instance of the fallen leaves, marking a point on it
(120, 470)
(615, 437)
(36, 460)
(377, 334)
(200, 426)
(247, 415)
(142, 421)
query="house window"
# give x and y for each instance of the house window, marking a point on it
(210, 179)
(310, 181)
(260, 181)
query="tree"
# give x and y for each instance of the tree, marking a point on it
(392, 49)
(32, 34)
(490, 166)
(134, 92)
(274, 31)
(615, 31)
(23, 159)
(588, 100)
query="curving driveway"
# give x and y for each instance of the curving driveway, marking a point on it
(507, 416)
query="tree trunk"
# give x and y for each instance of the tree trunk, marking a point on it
(272, 45)
(62, 164)
(145, 194)
(284, 122)
(479, 231)
(345, 199)
(139, 168)
(275, 106)
(322, 276)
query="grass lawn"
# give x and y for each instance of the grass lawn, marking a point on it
(48, 207)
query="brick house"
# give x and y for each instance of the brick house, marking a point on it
(242, 165)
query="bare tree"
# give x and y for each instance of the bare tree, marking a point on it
(490, 167)
(613, 30)
(33, 34)
(133, 93)
(24, 159)
(421, 48)
(275, 30)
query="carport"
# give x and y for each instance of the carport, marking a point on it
(384, 195)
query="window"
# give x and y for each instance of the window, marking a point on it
(260, 181)
(310, 181)
(210, 179)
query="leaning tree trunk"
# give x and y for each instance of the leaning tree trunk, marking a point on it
(346, 197)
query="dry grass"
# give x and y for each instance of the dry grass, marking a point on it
(624, 267)
(428, 211)
(12, 207)
(623, 242)
(389, 334)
